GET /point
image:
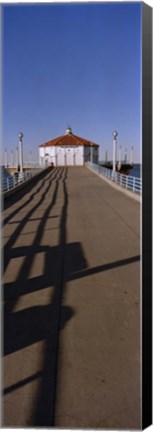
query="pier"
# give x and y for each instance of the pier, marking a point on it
(71, 291)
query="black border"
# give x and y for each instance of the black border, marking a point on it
(146, 215)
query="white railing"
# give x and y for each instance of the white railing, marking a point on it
(13, 181)
(127, 182)
(26, 164)
(31, 164)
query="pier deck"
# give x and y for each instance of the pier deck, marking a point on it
(71, 304)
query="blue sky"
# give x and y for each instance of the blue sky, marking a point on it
(75, 64)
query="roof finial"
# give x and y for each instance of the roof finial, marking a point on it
(68, 130)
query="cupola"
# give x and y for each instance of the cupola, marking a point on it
(68, 131)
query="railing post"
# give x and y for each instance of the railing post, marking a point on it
(8, 184)
(133, 184)
(126, 182)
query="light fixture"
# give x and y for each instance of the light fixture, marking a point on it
(21, 136)
(115, 133)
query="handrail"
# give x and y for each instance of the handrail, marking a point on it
(11, 182)
(125, 181)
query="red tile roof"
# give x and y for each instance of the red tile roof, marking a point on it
(68, 139)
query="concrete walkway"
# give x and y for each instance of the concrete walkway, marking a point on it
(71, 304)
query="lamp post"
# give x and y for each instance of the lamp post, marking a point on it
(106, 156)
(30, 153)
(125, 156)
(12, 158)
(115, 133)
(17, 157)
(120, 158)
(132, 155)
(5, 158)
(21, 151)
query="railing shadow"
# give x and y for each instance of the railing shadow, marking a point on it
(39, 323)
(16, 233)
(26, 189)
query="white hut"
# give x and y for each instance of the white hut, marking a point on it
(68, 150)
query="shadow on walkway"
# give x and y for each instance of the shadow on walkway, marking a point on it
(43, 323)
(39, 323)
(12, 199)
